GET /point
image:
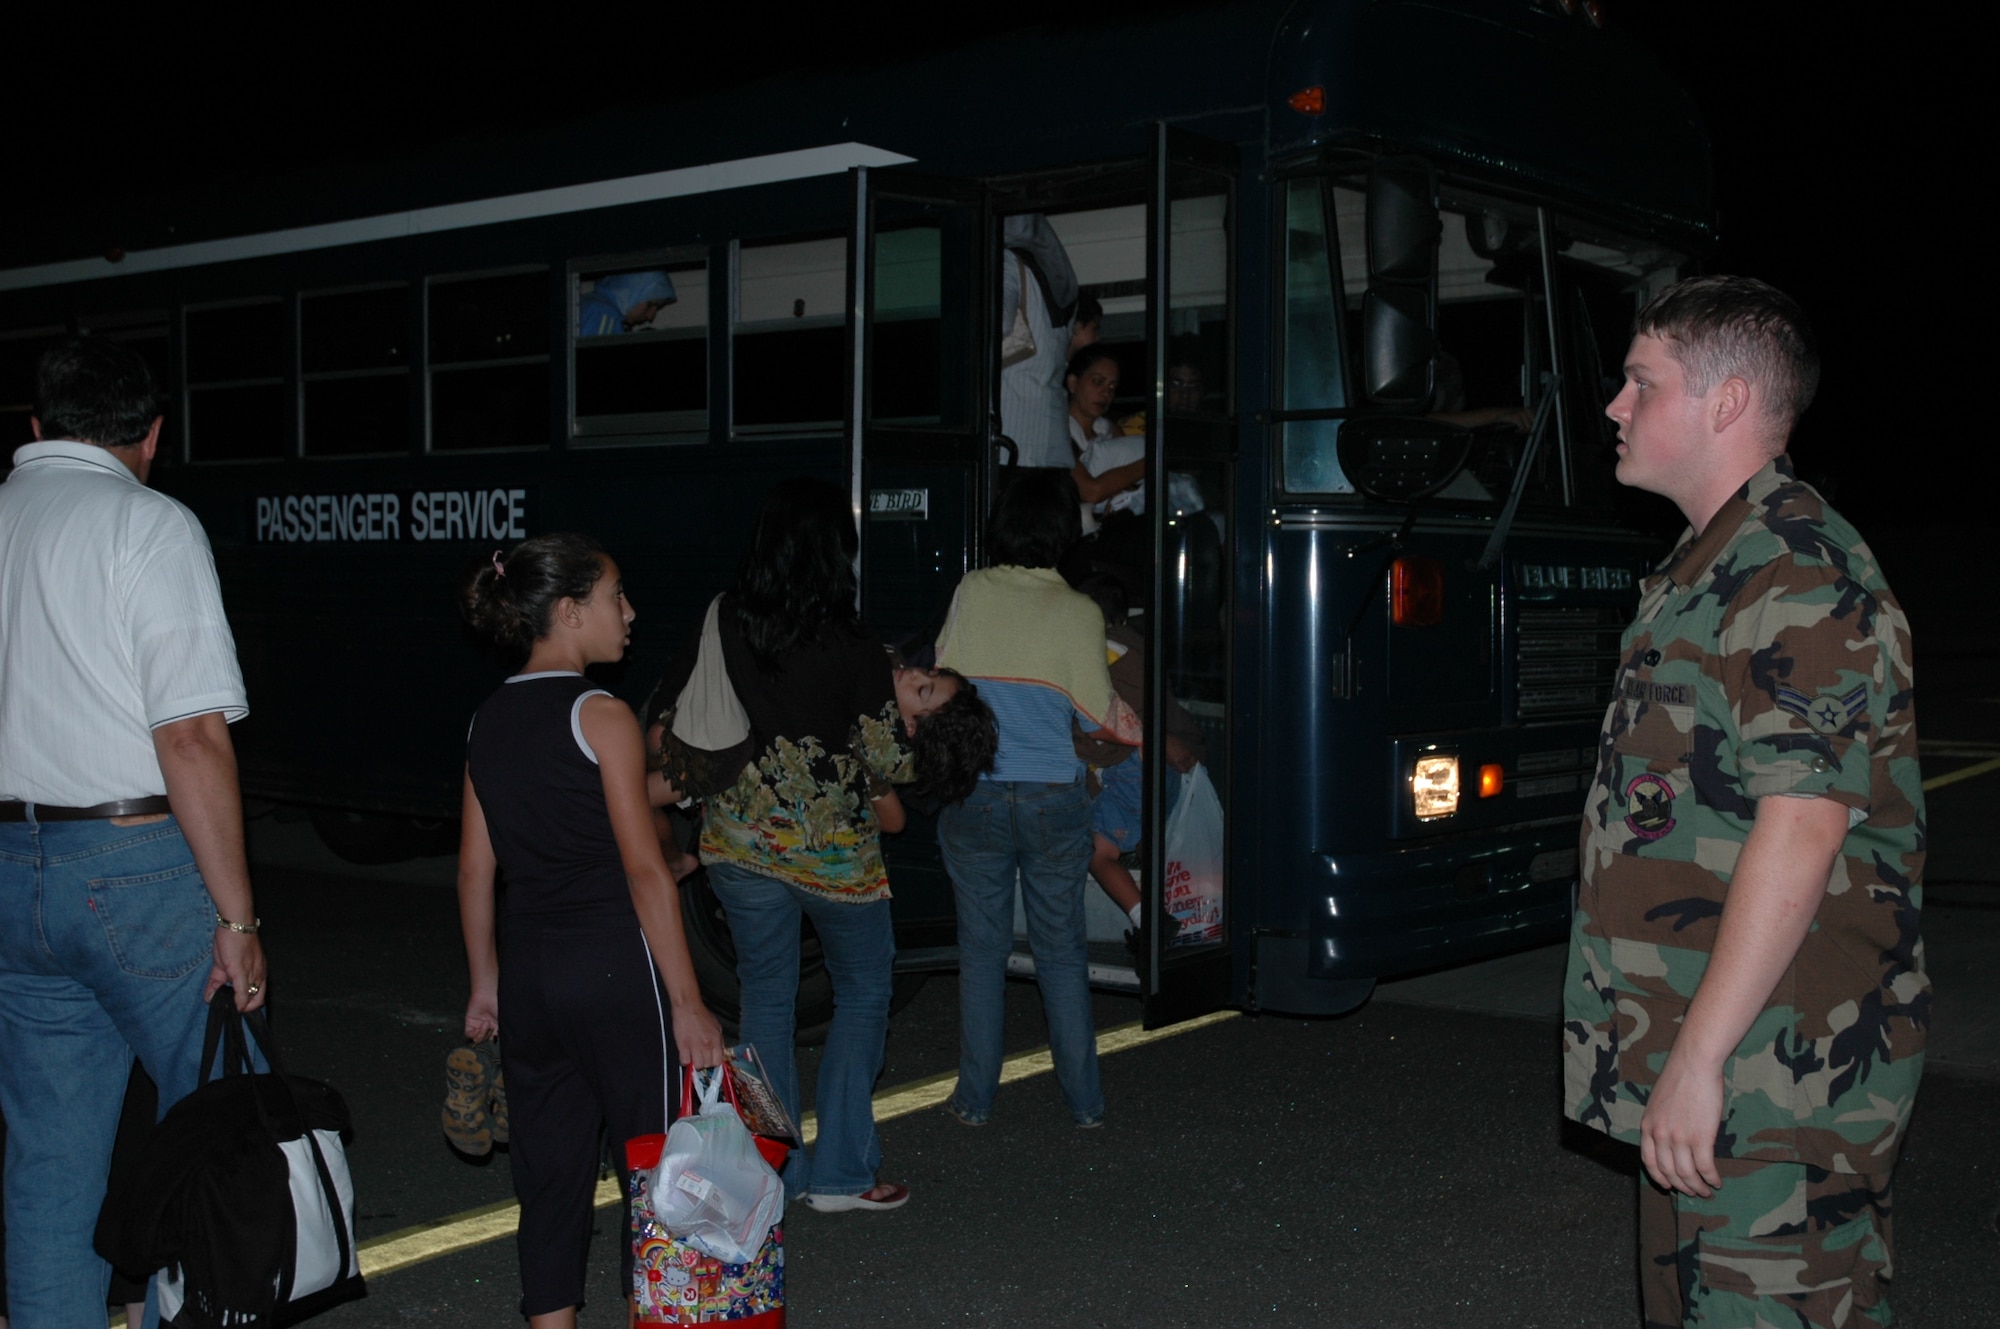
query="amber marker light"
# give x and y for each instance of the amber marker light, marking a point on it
(1308, 101)
(1492, 779)
(1416, 591)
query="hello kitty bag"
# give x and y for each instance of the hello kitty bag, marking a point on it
(673, 1283)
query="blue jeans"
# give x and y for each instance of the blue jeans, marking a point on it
(106, 941)
(859, 942)
(1038, 834)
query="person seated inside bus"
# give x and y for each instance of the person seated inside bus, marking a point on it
(1448, 401)
(621, 302)
(1117, 773)
(1185, 386)
(1038, 297)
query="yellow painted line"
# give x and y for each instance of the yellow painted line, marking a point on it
(1948, 747)
(427, 1241)
(475, 1227)
(1939, 782)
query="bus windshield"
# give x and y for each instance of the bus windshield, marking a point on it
(1501, 347)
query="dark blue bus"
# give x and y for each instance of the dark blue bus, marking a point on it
(1362, 227)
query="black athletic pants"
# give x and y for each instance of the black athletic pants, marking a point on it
(584, 1043)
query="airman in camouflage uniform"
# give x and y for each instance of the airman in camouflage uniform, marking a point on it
(1746, 997)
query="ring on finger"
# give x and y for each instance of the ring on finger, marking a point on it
(254, 989)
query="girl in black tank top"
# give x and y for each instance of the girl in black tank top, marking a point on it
(590, 938)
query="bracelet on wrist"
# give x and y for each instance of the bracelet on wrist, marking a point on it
(245, 928)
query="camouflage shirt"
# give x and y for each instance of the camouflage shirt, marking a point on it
(1768, 657)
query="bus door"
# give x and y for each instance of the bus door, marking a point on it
(918, 389)
(1190, 505)
(1150, 245)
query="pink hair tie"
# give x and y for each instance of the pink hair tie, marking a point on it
(498, 570)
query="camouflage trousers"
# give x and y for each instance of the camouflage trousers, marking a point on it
(1782, 1245)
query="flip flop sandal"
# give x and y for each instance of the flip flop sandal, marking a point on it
(893, 1195)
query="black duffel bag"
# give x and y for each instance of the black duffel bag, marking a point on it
(241, 1196)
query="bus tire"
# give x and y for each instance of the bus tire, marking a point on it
(713, 952)
(369, 838)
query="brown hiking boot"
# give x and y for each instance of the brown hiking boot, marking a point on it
(468, 1077)
(496, 1109)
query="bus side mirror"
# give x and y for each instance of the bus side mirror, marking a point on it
(1398, 348)
(1403, 223)
(1399, 310)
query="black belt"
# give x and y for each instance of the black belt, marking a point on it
(118, 807)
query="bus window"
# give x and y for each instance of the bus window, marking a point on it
(146, 334)
(1607, 281)
(20, 352)
(237, 402)
(790, 336)
(1492, 346)
(908, 371)
(1493, 339)
(1107, 248)
(354, 358)
(488, 340)
(1314, 378)
(1198, 310)
(640, 348)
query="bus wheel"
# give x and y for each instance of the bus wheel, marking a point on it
(713, 951)
(371, 837)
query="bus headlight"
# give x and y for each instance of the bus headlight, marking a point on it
(1434, 787)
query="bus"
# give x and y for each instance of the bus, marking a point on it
(1357, 228)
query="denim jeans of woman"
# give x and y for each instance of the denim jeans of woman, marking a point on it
(859, 945)
(107, 944)
(1039, 836)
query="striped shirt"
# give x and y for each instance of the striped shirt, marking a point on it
(1034, 724)
(1034, 401)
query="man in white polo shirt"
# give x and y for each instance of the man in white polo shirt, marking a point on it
(124, 893)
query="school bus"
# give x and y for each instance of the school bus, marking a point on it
(1365, 226)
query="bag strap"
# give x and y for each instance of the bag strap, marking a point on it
(342, 1241)
(259, 1026)
(225, 1029)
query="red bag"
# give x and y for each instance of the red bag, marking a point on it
(672, 1282)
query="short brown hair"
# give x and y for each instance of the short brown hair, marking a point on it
(1722, 327)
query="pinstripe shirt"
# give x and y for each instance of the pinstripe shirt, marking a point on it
(111, 625)
(1034, 402)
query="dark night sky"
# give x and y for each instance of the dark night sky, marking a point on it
(1836, 140)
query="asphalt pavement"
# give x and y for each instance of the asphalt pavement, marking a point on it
(1405, 1165)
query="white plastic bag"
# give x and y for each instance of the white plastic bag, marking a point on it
(713, 1189)
(1193, 886)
